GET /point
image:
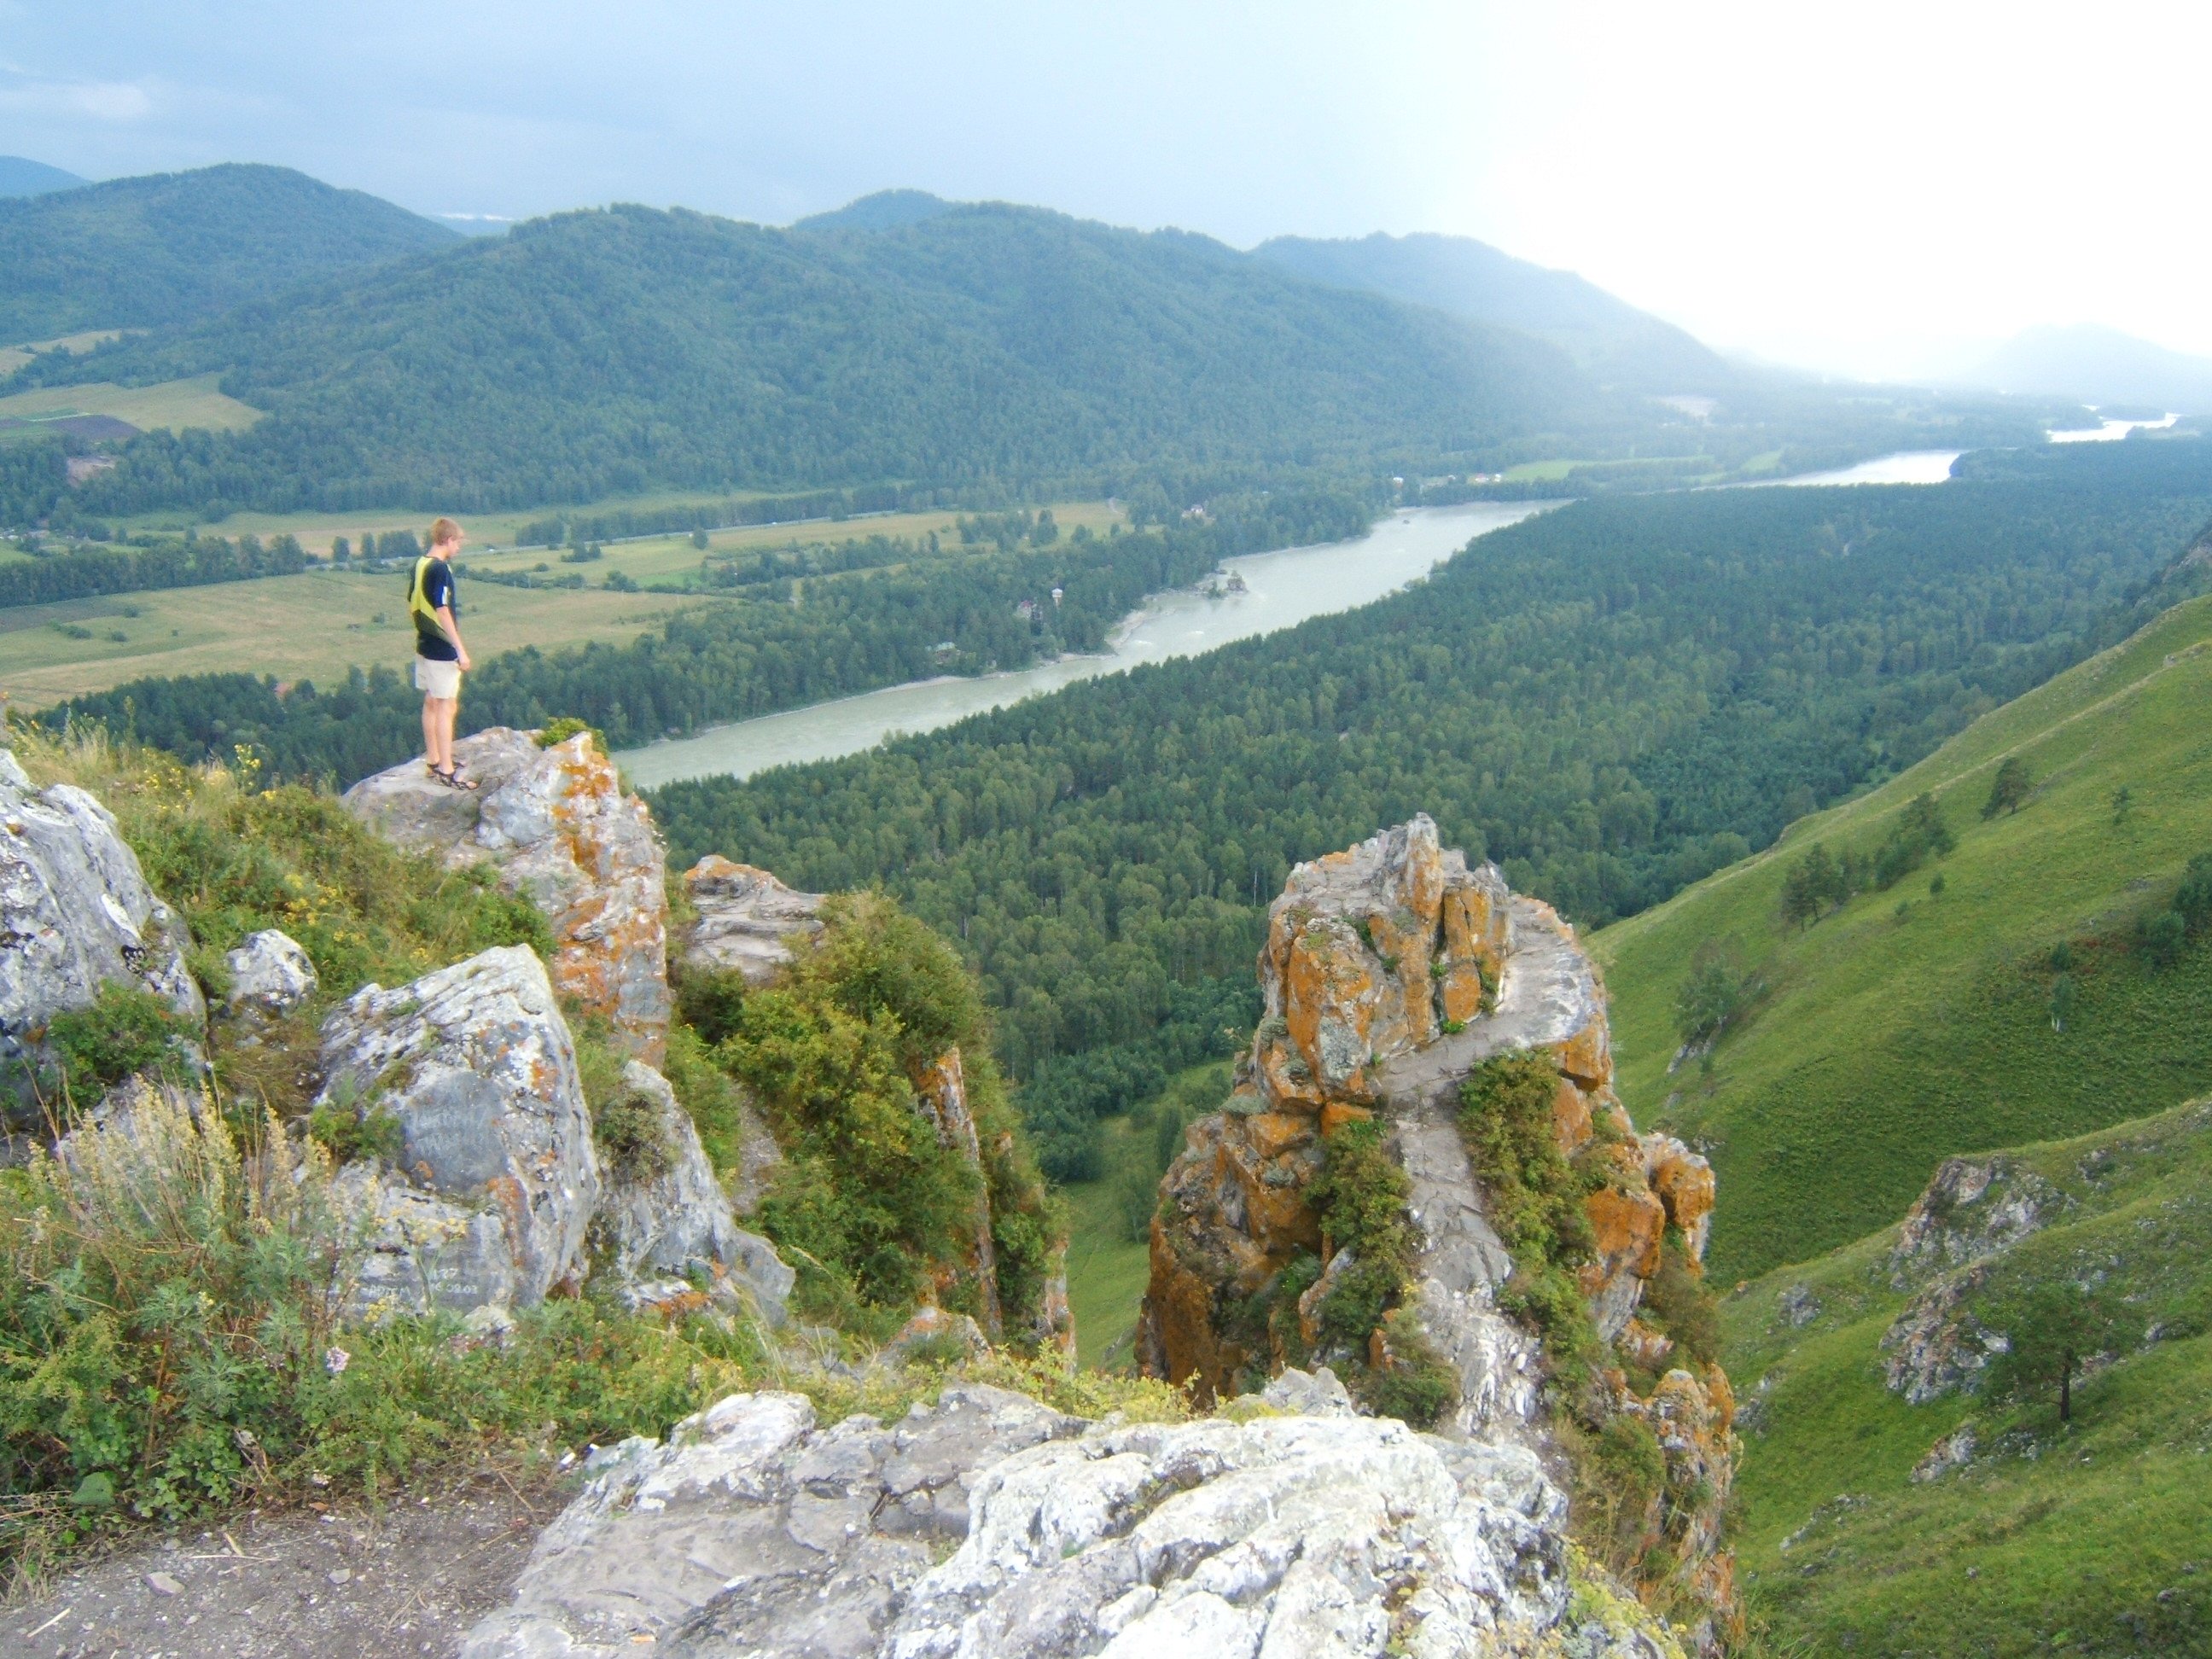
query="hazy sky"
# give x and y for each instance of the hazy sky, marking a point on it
(1850, 185)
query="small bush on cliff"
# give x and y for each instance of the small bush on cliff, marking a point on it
(878, 1206)
(1535, 1200)
(127, 1029)
(1360, 1195)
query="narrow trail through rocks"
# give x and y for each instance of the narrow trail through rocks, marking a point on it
(397, 1581)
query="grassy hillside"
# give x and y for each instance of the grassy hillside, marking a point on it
(1913, 1023)
(2083, 1539)
(172, 246)
(1605, 336)
(602, 352)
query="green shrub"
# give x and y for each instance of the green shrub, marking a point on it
(567, 726)
(710, 1001)
(350, 1133)
(1535, 1194)
(1419, 1384)
(2009, 788)
(625, 1121)
(1678, 1304)
(833, 1055)
(127, 1029)
(2160, 937)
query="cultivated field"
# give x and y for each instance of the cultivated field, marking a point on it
(13, 357)
(175, 404)
(312, 626)
(316, 530)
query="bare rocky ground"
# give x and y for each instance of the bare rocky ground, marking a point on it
(407, 1577)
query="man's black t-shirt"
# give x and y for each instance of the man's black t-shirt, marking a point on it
(430, 640)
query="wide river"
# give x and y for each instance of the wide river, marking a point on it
(1282, 590)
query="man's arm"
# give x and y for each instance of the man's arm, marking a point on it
(454, 633)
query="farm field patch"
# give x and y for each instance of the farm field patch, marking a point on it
(175, 404)
(315, 626)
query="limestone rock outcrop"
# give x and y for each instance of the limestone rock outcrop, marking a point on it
(1972, 1211)
(676, 1219)
(1390, 972)
(495, 1176)
(76, 913)
(556, 826)
(743, 920)
(496, 1192)
(989, 1526)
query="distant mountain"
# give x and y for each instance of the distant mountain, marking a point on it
(599, 352)
(2099, 366)
(171, 247)
(1609, 337)
(887, 210)
(22, 177)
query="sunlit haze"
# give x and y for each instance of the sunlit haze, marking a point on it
(1869, 188)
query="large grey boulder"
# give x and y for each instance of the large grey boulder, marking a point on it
(271, 973)
(555, 824)
(676, 1220)
(755, 1532)
(75, 913)
(745, 919)
(496, 1177)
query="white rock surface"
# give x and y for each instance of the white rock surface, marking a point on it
(681, 1220)
(497, 1177)
(746, 918)
(753, 1532)
(270, 973)
(75, 913)
(556, 825)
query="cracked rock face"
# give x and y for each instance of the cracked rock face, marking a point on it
(496, 1175)
(989, 1526)
(557, 829)
(679, 1219)
(751, 1530)
(76, 913)
(1972, 1208)
(745, 921)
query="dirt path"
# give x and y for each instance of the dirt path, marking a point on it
(351, 1583)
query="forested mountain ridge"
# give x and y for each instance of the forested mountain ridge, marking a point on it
(1605, 336)
(172, 246)
(597, 352)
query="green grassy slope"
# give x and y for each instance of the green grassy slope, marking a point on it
(1909, 1024)
(2091, 1539)
(172, 246)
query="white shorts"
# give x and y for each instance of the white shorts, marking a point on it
(434, 678)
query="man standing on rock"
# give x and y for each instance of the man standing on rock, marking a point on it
(441, 658)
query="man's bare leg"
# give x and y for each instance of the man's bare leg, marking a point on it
(430, 727)
(447, 709)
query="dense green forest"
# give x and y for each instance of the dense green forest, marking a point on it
(737, 657)
(175, 246)
(1611, 699)
(595, 353)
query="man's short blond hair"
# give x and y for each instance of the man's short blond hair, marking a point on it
(444, 533)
